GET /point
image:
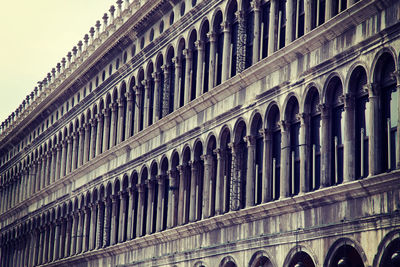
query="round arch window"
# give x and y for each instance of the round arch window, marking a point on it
(151, 34)
(142, 43)
(161, 26)
(171, 18)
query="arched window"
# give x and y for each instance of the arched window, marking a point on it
(249, 21)
(317, 13)
(225, 175)
(219, 48)
(233, 25)
(281, 23)
(313, 139)
(193, 68)
(335, 102)
(357, 81)
(274, 130)
(265, 14)
(256, 126)
(206, 63)
(388, 111)
(292, 118)
(239, 167)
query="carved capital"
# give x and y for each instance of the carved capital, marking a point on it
(212, 37)
(250, 140)
(324, 109)
(348, 100)
(372, 89)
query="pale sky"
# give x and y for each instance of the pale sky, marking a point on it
(35, 36)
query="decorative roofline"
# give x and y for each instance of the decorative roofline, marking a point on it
(111, 23)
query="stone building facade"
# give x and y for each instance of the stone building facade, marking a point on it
(212, 133)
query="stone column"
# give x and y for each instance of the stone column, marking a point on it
(38, 174)
(307, 16)
(53, 165)
(64, 156)
(137, 109)
(57, 240)
(86, 229)
(57, 171)
(188, 70)
(42, 173)
(177, 86)
(69, 155)
(193, 185)
(48, 169)
(200, 62)
(122, 216)
(272, 28)
(41, 246)
(160, 202)
(325, 146)
(74, 233)
(131, 213)
(172, 199)
(79, 237)
(328, 10)
(219, 198)
(150, 205)
(374, 150)
(182, 184)
(166, 100)
(81, 151)
(226, 59)
(241, 42)
(92, 232)
(267, 166)
(289, 22)
(146, 84)
(349, 138)
(255, 4)
(350, 3)
(113, 126)
(106, 136)
(75, 151)
(87, 143)
(207, 189)
(107, 221)
(68, 236)
(251, 170)
(129, 114)
(235, 183)
(285, 154)
(99, 138)
(62, 237)
(100, 224)
(396, 76)
(304, 183)
(93, 123)
(212, 67)
(140, 219)
(156, 98)
(114, 219)
(121, 121)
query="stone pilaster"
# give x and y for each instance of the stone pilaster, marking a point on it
(255, 4)
(99, 138)
(226, 58)
(325, 146)
(251, 170)
(285, 156)
(106, 136)
(349, 138)
(200, 63)
(129, 114)
(212, 67)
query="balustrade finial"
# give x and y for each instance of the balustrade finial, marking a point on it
(86, 40)
(80, 44)
(58, 67)
(91, 32)
(105, 20)
(63, 61)
(112, 10)
(53, 72)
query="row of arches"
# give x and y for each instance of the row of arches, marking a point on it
(314, 142)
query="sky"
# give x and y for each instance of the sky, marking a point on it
(35, 36)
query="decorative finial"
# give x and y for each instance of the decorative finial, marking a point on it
(98, 24)
(27, 99)
(58, 68)
(44, 82)
(36, 89)
(33, 94)
(91, 31)
(69, 55)
(112, 10)
(80, 44)
(86, 40)
(74, 51)
(105, 19)
(119, 4)
(53, 72)
(23, 103)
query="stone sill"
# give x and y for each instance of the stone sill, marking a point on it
(327, 31)
(311, 200)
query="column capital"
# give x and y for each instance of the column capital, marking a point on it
(188, 53)
(177, 61)
(372, 89)
(129, 95)
(141, 188)
(87, 126)
(105, 111)
(266, 134)
(284, 125)
(255, 5)
(165, 68)
(199, 44)
(207, 158)
(302, 117)
(250, 140)
(156, 76)
(146, 84)
(99, 117)
(226, 26)
(181, 167)
(160, 179)
(93, 122)
(114, 106)
(324, 109)
(114, 198)
(137, 90)
(396, 76)
(348, 100)
(212, 36)
(239, 15)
